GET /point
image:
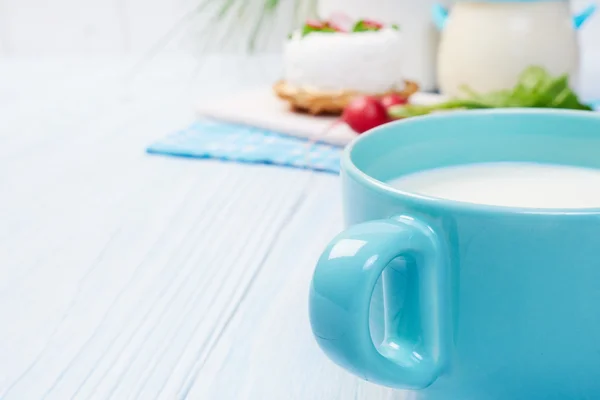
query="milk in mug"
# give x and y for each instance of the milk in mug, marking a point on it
(510, 184)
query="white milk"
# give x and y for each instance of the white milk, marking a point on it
(508, 184)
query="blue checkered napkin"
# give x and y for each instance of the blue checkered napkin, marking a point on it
(231, 142)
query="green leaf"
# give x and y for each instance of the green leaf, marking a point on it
(271, 5)
(535, 88)
(533, 77)
(395, 27)
(413, 110)
(255, 32)
(252, 20)
(359, 26)
(307, 30)
(568, 99)
(548, 94)
(224, 10)
(362, 26)
(528, 91)
(488, 100)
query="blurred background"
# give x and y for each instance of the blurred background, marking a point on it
(151, 30)
(39, 28)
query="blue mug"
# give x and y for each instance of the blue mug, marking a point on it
(460, 301)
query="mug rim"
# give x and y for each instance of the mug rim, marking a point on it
(353, 171)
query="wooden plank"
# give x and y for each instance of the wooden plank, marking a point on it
(131, 276)
(267, 350)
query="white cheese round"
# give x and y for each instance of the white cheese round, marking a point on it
(369, 62)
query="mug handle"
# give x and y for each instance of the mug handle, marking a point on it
(340, 296)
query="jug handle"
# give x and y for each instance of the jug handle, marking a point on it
(439, 14)
(582, 17)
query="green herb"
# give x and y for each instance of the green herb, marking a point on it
(363, 26)
(328, 27)
(535, 88)
(307, 29)
(271, 5)
(226, 23)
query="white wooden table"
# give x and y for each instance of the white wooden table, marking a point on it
(124, 275)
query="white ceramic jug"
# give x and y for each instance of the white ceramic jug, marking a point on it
(487, 44)
(413, 17)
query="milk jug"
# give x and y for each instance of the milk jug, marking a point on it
(414, 19)
(485, 45)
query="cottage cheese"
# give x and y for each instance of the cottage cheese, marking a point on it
(369, 62)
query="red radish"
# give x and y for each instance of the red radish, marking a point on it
(313, 23)
(372, 24)
(393, 100)
(334, 25)
(364, 113)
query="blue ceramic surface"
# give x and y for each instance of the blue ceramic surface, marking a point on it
(440, 13)
(461, 301)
